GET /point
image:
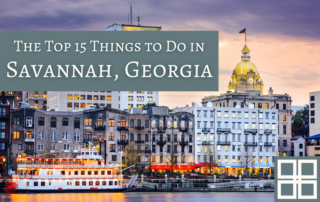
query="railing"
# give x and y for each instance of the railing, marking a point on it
(205, 142)
(29, 151)
(123, 142)
(267, 131)
(183, 142)
(250, 143)
(268, 144)
(29, 139)
(206, 130)
(139, 141)
(66, 166)
(139, 127)
(223, 129)
(99, 127)
(161, 142)
(17, 176)
(248, 130)
(123, 127)
(183, 129)
(29, 125)
(223, 143)
(313, 143)
(161, 129)
(146, 151)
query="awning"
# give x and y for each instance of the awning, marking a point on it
(175, 167)
(206, 164)
(314, 137)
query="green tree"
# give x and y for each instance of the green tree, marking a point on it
(297, 124)
(150, 104)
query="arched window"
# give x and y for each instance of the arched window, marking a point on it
(131, 123)
(139, 137)
(139, 123)
(300, 146)
(146, 124)
(146, 138)
(131, 137)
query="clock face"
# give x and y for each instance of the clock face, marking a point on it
(251, 80)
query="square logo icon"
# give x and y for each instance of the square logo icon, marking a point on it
(296, 179)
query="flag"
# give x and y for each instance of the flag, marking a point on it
(119, 150)
(242, 31)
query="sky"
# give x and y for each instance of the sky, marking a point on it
(283, 36)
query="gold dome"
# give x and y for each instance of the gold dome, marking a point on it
(245, 66)
(245, 49)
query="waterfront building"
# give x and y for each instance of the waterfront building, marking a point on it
(298, 147)
(230, 141)
(314, 113)
(313, 145)
(4, 138)
(140, 137)
(13, 98)
(245, 88)
(81, 100)
(172, 146)
(36, 99)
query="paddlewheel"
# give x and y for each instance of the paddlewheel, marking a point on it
(10, 187)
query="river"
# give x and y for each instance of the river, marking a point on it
(142, 196)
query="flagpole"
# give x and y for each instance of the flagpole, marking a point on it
(245, 35)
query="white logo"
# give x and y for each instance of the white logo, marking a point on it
(297, 179)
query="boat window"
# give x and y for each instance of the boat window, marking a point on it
(27, 184)
(103, 172)
(63, 172)
(97, 183)
(110, 182)
(104, 183)
(49, 183)
(43, 184)
(109, 172)
(77, 183)
(35, 184)
(84, 183)
(95, 153)
(76, 172)
(87, 153)
(90, 183)
(115, 182)
(89, 172)
(51, 172)
(83, 172)
(96, 172)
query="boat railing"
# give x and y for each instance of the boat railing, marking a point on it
(66, 166)
(29, 176)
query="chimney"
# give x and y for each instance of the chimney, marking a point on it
(270, 92)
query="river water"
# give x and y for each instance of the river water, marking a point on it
(142, 197)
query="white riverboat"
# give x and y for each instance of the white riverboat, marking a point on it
(87, 172)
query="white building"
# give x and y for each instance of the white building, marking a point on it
(298, 146)
(234, 137)
(80, 100)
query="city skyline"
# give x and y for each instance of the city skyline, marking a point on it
(283, 38)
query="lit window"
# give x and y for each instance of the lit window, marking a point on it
(69, 97)
(83, 105)
(266, 106)
(108, 98)
(76, 97)
(284, 117)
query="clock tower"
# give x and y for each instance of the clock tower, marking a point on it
(245, 77)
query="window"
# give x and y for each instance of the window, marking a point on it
(284, 129)
(41, 121)
(16, 121)
(76, 137)
(114, 157)
(53, 136)
(69, 97)
(64, 121)
(29, 122)
(66, 147)
(40, 135)
(77, 123)
(147, 124)
(40, 147)
(312, 112)
(312, 120)
(131, 123)
(284, 106)
(146, 138)
(312, 98)
(284, 143)
(16, 135)
(88, 122)
(64, 135)
(111, 136)
(112, 148)
(35, 184)
(312, 105)
(266, 106)
(284, 117)
(111, 123)
(69, 104)
(53, 122)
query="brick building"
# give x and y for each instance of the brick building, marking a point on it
(11, 97)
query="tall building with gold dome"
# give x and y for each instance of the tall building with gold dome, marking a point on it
(245, 77)
(246, 88)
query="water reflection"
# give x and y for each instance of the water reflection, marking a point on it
(140, 196)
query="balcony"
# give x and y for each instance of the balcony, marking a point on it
(206, 130)
(223, 130)
(183, 143)
(29, 151)
(223, 143)
(29, 139)
(268, 144)
(86, 140)
(146, 151)
(161, 129)
(75, 151)
(161, 142)
(29, 125)
(183, 129)
(139, 141)
(122, 128)
(250, 143)
(205, 142)
(267, 131)
(248, 130)
(123, 142)
(97, 127)
(139, 127)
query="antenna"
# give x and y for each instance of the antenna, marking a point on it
(130, 14)
(138, 20)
